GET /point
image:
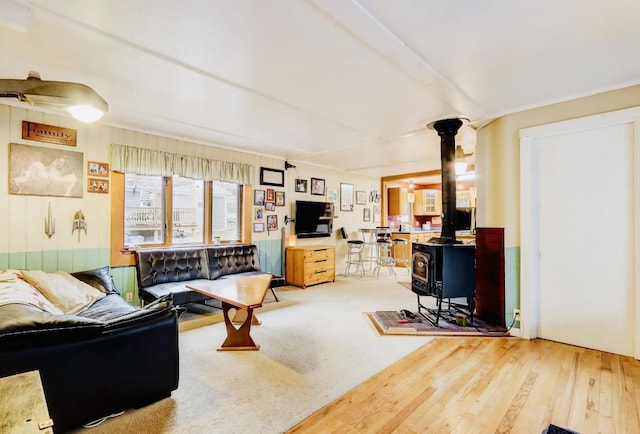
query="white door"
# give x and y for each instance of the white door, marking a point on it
(579, 264)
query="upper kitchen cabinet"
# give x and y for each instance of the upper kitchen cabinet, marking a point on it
(428, 202)
(398, 201)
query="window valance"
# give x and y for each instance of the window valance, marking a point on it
(141, 161)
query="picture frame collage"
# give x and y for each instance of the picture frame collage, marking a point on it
(346, 197)
(97, 177)
(265, 200)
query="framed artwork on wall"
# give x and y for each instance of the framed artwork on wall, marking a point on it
(258, 227)
(97, 169)
(271, 195)
(346, 197)
(96, 185)
(361, 197)
(35, 170)
(301, 185)
(272, 222)
(258, 197)
(317, 186)
(271, 177)
(279, 198)
(366, 215)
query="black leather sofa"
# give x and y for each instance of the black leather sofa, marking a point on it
(108, 358)
(165, 272)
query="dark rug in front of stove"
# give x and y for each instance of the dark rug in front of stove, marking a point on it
(389, 323)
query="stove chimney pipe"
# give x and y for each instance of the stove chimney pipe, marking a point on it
(447, 130)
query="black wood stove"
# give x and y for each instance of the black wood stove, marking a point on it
(444, 267)
(444, 271)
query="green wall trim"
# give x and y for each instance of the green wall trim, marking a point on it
(270, 255)
(511, 282)
(74, 260)
(56, 260)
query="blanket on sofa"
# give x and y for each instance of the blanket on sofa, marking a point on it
(14, 290)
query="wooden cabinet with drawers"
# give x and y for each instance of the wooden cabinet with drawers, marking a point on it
(310, 265)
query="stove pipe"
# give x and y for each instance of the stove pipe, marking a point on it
(447, 130)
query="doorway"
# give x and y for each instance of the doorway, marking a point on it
(579, 232)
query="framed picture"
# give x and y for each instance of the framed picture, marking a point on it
(35, 170)
(346, 197)
(271, 177)
(270, 206)
(317, 186)
(271, 195)
(272, 222)
(259, 213)
(97, 169)
(361, 197)
(366, 215)
(332, 195)
(301, 185)
(258, 197)
(96, 185)
(258, 227)
(279, 198)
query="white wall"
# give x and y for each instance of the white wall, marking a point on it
(498, 170)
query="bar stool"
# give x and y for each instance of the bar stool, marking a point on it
(369, 241)
(354, 256)
(385, 256)
(401, 245)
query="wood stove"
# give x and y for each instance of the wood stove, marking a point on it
(444, 271)
(444, 267)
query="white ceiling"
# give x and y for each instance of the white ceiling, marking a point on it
(345, 84)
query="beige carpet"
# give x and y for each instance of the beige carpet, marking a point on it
(315, 346)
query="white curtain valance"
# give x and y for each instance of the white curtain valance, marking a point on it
(141, 161)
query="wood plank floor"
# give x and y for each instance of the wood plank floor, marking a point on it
(490, 385)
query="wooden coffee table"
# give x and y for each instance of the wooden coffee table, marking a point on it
(243, 294)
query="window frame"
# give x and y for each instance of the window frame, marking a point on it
(124, 256)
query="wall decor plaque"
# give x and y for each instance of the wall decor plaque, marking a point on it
(49, 133)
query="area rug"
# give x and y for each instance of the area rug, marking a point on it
(390, 323)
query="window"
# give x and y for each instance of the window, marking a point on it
(151, 219)
(143, 210)
(225, 222)
(187, 207)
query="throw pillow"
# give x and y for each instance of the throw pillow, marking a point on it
(99, 278)
(63, 290)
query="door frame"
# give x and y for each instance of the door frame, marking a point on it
(529, 211)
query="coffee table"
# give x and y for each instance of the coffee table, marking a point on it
(243, 294)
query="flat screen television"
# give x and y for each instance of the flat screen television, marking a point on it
(465, 219)
(313, 219)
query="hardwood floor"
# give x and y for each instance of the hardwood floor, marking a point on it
(490, 385)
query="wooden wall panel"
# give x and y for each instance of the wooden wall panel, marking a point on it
(490, 276)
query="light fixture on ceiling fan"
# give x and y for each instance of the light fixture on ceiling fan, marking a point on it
(461, 156)
(79, 100)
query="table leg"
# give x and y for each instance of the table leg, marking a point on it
(237, 338)
(241, 316)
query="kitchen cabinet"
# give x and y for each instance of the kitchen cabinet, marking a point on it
(428, 202)
(398, 201)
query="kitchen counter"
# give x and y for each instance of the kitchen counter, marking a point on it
(417, 231)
